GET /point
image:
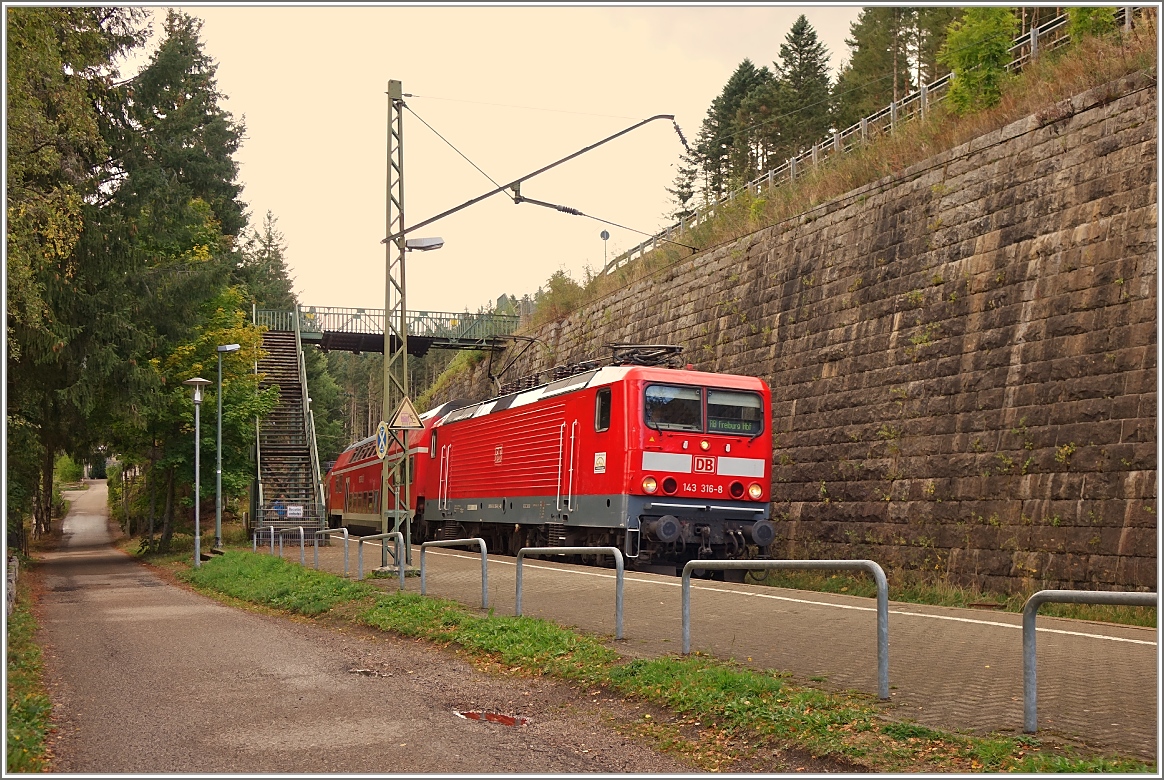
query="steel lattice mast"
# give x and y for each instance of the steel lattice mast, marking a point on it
(395, 504)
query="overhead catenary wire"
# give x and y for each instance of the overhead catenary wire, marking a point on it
(455, 149)
(519, 198)
(575, 212)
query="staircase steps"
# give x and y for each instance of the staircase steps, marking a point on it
(285, 468)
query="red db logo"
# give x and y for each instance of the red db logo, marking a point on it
(705, 465)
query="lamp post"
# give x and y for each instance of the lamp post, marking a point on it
(197, 383)
(218, 449)
(395, 314)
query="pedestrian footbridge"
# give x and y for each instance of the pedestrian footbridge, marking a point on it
(362, 330)
(289, 480)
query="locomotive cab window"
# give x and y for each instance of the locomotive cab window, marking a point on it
(673, 408)
(432, 444)
(602, 406)
(730, 411)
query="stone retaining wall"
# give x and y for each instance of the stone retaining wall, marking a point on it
(962, 356)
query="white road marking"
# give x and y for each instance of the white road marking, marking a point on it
(774, 597)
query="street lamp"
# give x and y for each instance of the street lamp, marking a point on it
(424, 244)
(218, 474)
(197, 383)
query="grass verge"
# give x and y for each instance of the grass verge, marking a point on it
(28, 705)
(759, 709)
(912, 588)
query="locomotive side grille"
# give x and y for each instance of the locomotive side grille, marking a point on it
(448, 531)
(556, 535)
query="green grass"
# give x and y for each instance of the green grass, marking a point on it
(537, 645)
(908, 587)
(274, 582)
(753, 707)
(29, 709)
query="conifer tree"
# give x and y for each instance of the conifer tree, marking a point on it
(878, 69)
(805, 95)
(60, 71)
(718, 134)
(933, 24)
(683, 188)
(262, 266)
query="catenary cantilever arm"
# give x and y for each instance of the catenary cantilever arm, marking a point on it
(517, 182)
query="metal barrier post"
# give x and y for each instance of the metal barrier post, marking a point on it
(617, 553)
(272, 538)
(1031, 609)
(302, 562)
(280, 540)
(396, 535)
(869, 566)
(255, 541)
(315, 544)
(460, 543)
(328, 532)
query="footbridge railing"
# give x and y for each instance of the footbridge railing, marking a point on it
(1026, 47)
(439, 325)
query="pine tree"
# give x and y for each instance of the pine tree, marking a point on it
(715, 147)
(933, 24)
(60, 70)
(878, 70)
(262, 267)
(805, 95)
(682, 189)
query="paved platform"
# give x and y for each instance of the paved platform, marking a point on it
(956, 669)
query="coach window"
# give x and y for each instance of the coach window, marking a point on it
(602, 410)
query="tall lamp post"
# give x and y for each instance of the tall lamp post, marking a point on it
(197, 383)
(218, 448)
(395, 480)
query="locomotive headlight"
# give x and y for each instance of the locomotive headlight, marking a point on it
(755, 491)
(705, 445)
(650, 485)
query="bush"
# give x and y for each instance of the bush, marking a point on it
(1090, 21)
(65, 470)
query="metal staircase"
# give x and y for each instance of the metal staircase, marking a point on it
(290, 492)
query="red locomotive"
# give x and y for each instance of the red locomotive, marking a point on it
(666, 464)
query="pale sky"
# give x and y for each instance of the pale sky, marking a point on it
(514, 89)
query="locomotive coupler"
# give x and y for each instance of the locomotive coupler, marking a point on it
(704, 532)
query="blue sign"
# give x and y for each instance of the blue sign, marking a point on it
(381, 440)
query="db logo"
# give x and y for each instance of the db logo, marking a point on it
(705, 465)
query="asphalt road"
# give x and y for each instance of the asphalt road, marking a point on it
(147, 677)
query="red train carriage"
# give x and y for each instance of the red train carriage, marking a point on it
(668, 465)
(353, 482)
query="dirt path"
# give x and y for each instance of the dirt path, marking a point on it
(149, 677)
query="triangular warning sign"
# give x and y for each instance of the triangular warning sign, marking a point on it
(406, 418)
